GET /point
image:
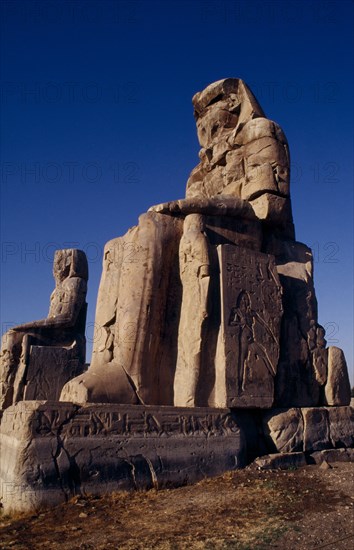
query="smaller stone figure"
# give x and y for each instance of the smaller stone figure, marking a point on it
(247, 320)
(62, 332)
(195, 276)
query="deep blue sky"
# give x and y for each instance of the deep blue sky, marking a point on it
(97, 125)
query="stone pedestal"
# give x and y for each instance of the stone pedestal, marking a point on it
(51, 451)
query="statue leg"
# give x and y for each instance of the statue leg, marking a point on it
(130, 316)
(190, 343)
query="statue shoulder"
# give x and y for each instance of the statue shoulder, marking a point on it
(258, 128)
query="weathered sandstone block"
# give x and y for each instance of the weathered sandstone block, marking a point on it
(284, 430)
(337, 389)
(308, 429)
(316, 429)
(341, 426)
(51, 451)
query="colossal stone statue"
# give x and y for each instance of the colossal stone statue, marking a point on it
(37, 358)
(209, 301)
(206, 308)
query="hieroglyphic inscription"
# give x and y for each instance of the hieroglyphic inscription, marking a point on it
(41, 417)
(140, 422)
(251, 316)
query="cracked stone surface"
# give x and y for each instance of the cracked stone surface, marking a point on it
(53, 451)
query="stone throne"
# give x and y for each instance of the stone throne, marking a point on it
(39, 357)
(210, 301)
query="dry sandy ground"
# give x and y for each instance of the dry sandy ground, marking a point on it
(308, 508)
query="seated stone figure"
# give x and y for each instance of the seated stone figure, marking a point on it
(243, 177)
(39, 357)
(209, 301)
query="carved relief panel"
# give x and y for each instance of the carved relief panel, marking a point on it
(250, 323)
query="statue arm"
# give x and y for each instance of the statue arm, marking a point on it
(48, 322)
(68, 309)
(214, 206)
